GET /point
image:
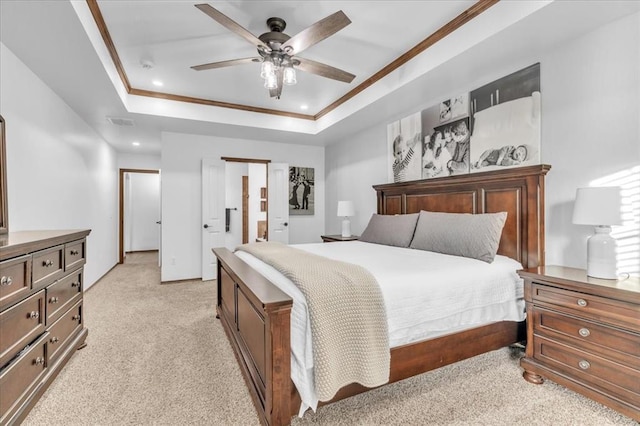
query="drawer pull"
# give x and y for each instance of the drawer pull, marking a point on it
(54, 340)
(584, 364)
(39, 361)
(33, 315)
(76, 317)
(6, 281)
(74, 252)
(53, 300)
(47, 263)
(582, 302)
(75, 284)
(584, 332)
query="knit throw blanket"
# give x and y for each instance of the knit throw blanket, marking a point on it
(346, 313)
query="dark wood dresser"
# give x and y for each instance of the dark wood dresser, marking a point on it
(584, 333)
(41, 323)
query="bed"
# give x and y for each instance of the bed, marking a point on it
(256, 314)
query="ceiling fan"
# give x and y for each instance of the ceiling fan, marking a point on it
(279, 52)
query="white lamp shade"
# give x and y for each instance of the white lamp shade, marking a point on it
(597, 206)
(346, 208)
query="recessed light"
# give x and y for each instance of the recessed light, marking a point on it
(304, 107)
(157, 83)
(136, 143)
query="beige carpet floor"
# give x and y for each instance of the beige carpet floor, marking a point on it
(156, 355)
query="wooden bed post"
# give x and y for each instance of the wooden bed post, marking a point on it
(279, 386)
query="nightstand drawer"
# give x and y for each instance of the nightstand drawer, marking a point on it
(608, 342)
(616, 379)
(612, 311)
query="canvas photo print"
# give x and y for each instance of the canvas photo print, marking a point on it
(445, 149)
(301, 193)
(404, 140)
(506, 121)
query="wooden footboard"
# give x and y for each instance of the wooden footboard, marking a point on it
(255, 315)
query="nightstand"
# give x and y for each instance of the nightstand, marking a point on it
(584, 333)
(334, 238)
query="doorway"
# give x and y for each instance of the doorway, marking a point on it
(139, 213)
(220, 213)
(245, 202)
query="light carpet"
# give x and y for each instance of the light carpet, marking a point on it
(156, 355)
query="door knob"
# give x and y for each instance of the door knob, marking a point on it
(159, 222)
(286, 224)
(206, 226)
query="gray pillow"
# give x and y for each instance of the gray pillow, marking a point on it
(469, 235)
(390, 230)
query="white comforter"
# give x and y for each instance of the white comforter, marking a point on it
(426, 295)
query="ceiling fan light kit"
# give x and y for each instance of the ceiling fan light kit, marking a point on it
(278, 51)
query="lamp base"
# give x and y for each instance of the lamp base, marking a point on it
(601, 254)
(346, 227)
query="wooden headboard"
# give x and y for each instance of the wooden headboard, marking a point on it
(518, 191)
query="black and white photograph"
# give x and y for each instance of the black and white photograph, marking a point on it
(460, 106)
(457, 138)
(404, 139)
(445, 148)
(301, 193)
(506, 121)
(445, 111)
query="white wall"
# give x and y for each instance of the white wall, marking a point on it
(182, 156)
(61, 174)
(142, 211)
(138, 161)
(590, 125)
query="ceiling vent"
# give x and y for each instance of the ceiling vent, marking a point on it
(126, 122)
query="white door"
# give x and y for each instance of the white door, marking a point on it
(278, 210)
(159, 222)
(213, 214)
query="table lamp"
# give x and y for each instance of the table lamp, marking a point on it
(600, 207)
(346, 209)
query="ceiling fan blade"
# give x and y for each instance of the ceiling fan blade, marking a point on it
(317, 32)
(231, 25)
(223, 64)
(275, 93)
(323, 70)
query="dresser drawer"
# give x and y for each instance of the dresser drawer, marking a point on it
(616, 379)
(21, 324)
(74, 254)
(18, 379)
(63, 330)
(15, 280)
(48, 266)
(608, 342)
(62, 294)
(612, 311)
